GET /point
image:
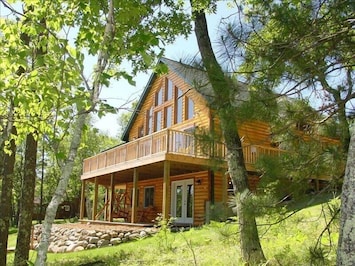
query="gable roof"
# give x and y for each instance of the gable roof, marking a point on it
(191, 75)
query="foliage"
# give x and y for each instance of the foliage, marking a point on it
(288, 242)
(49, 90)
(164, 238)
(301, 49)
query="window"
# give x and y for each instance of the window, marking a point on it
(148, 197)
(169, 90)
(158, 121)
(149, 126)
(178, 104)
(159, 97)
(190, 108)
(168, 116)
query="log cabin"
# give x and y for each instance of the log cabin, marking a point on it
(163, 167)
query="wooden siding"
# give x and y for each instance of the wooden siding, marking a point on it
(220, 187)
(201, 111)
(255, 132)
(201, 194)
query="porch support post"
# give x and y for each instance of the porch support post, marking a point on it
(106, 203)
(134, 196)
(94, 208)
(82, 200)
(166, 190)
(112, 194)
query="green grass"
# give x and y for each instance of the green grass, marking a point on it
(290, 242)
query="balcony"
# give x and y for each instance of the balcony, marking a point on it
(164, 145)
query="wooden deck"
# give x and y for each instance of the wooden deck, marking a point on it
(165, 145)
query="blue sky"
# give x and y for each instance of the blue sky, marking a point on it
(120, 92)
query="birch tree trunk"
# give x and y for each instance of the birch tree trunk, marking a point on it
(225, 106)
(346, 243)
(66, 169)
(59, 192)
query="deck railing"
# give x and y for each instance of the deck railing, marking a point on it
(168, 141)
(253, 152)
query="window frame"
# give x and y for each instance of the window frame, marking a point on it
(169, 90)
(179, 97)
(148, 202)
(189, 108)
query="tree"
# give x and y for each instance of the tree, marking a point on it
(114, 32)
(26, 204)
(303, 48)
(346, 243)
(225, 108)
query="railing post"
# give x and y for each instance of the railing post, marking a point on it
(167, 140)
(137, 149)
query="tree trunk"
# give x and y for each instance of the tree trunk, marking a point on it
(6, 172)
(60, 191)
(346, 243)
(223, 87)
(26, 202)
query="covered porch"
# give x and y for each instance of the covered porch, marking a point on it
(124, 171)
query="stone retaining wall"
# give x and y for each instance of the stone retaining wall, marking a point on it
(75, 239)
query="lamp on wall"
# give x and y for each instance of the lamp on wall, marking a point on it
(198, 181)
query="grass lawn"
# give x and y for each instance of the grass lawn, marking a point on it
(290, 242)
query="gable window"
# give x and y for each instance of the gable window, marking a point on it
(168, 90)
(190, 105)
(178, 106)
(159, 97)
(148, 197)
(149, 126)
(168, 116)
(158, 121)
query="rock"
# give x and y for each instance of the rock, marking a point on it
(65, 239)
(79, 248)
(83, 243)
(93, 240)
(105, 236)
(103, 243)
(115, 241)
(91, 233)
(72, 247)
(133, 236)
(91, 246)
(113, 234)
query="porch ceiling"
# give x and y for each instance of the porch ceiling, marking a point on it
(154, 170)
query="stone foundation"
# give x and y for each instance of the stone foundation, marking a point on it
(66, 239)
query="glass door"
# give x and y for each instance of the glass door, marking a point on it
(182, 201)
